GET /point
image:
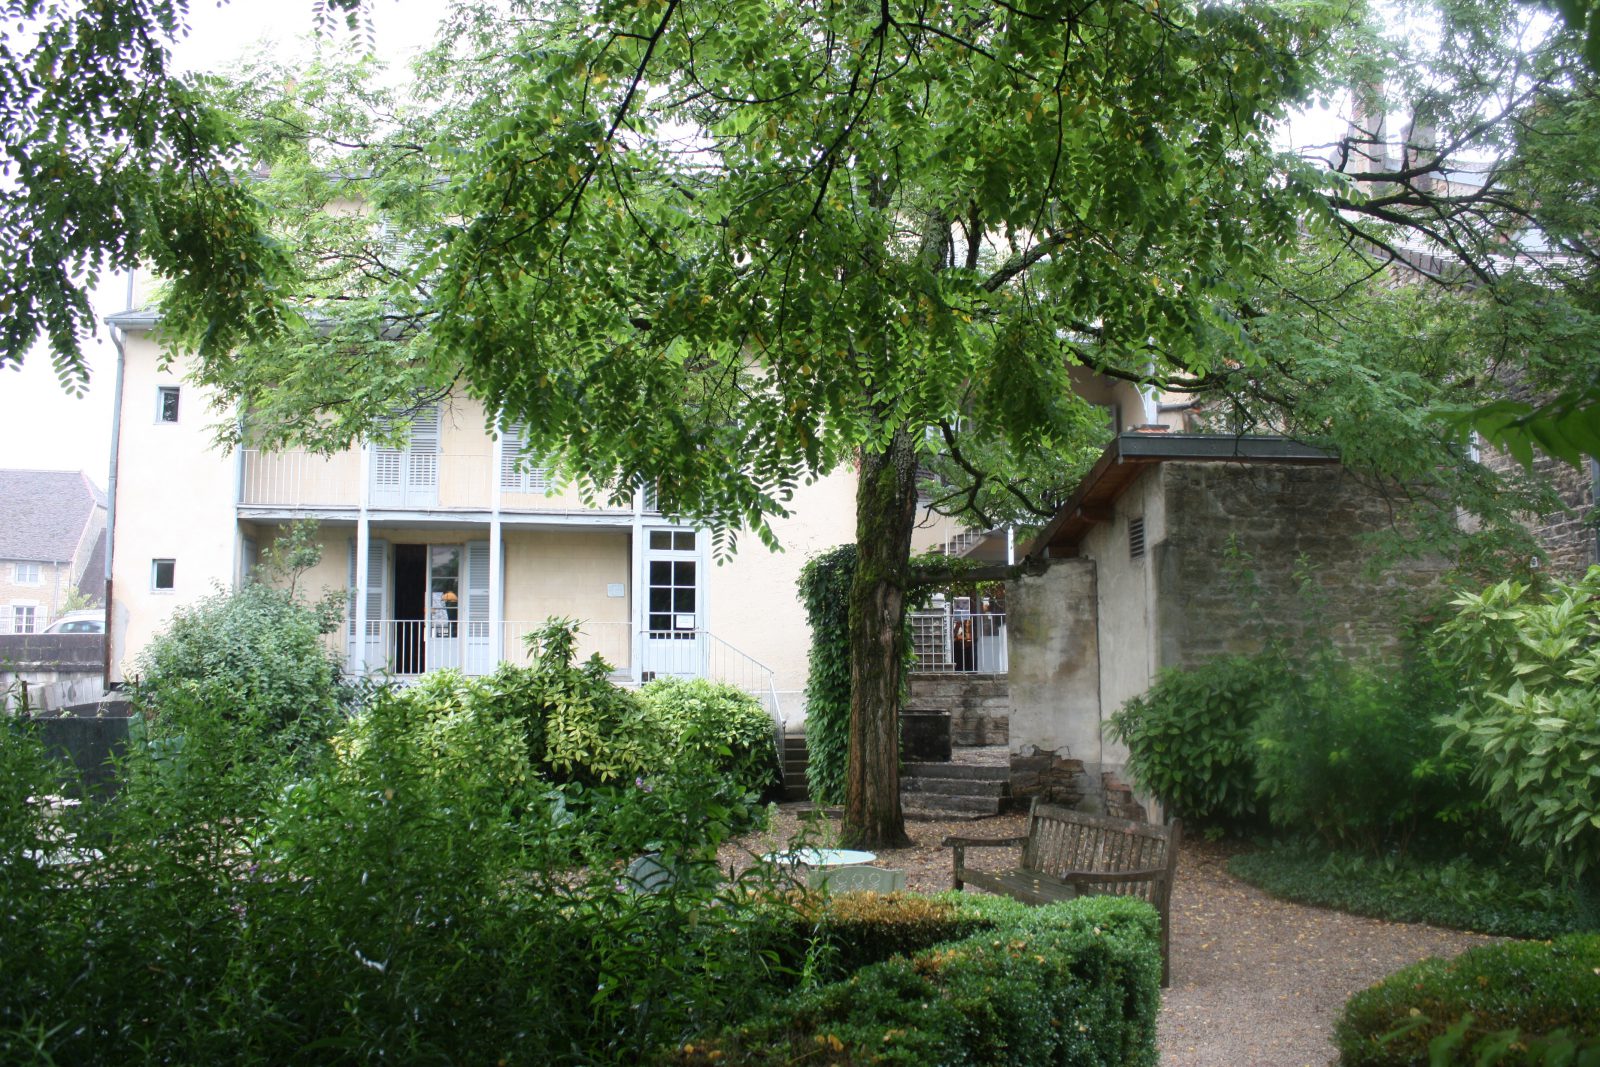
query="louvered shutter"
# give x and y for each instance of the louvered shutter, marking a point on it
(512, 441)
(476, 608)
(376, 652)
(388, 464)
(422, 473)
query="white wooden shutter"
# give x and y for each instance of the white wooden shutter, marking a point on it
(475, 610)
(376, 652)
(517, 474)
(388, 463)
(422, 472)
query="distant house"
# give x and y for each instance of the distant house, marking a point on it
(52, 531)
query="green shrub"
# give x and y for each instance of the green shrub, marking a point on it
(1190, 740)
(825, 591)
(1548, 992)
(718, 723)
(260, 648)
(1508, 897)
(1065, 984)
(1529, 718)
(1351, 753)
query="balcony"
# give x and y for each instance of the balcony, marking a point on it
(407, 481)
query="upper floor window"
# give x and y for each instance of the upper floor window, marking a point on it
(167, 403)
(163, 574)
(25, 573)
(518, 472)
(24, 618)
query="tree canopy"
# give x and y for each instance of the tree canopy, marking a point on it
(723, 249)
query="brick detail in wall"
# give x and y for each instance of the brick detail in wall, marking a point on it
(979, 704)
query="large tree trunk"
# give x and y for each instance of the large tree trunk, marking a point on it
(886, 510)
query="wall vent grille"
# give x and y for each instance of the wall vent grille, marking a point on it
(1136, 538)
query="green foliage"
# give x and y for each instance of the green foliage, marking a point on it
(259, 650)
(824, 587)
(1529, 719)
(717, 723)
(415, 893)
(1190, 738)
(1510, 897)
(1443, 1012)
(1064, 984)
(1352, 753)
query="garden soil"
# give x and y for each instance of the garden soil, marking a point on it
(1256, 982)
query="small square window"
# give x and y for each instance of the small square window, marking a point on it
(167, 403)
(24, 617)
(25, 573)
(163, 574)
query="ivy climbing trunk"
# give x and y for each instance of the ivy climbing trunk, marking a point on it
(886, 507)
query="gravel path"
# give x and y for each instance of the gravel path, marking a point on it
(1256, 982)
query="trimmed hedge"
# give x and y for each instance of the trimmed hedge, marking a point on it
(1527, 1001)
(1510, 900)
(1066, 984)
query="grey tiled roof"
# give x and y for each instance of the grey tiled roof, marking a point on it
(43, 513)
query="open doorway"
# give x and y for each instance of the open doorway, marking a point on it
(410, 601)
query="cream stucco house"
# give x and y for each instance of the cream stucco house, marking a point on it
(452, 550)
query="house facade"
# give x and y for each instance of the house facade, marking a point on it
(51, 524)
(452, 547)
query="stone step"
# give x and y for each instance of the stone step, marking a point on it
(914, 813)
(955, 770)
(941, 802)
(968, 787)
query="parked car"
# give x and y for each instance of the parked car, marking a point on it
(92, 621)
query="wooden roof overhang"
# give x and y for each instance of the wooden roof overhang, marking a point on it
(1131, 454)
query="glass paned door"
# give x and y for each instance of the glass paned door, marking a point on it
(442, 631)
(673, 643)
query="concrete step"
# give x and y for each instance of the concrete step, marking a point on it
(915, 813)
(960, 787)
(951, 806)
(955, 770)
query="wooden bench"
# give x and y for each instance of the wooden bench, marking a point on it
(1067, 854)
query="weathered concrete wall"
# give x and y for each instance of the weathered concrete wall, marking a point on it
(1278, 514)
(1055, 683)
(58, 669)
(979, 704)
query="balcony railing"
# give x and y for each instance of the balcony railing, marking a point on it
(950, 642)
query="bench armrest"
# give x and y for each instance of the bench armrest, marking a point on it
(1146, 874)
(981, 842)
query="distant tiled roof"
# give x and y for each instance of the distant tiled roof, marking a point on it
(43, 513)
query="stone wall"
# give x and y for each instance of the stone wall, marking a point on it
(1278, 515)
(979, 704)
(1570, 536)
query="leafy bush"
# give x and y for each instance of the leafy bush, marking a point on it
(1352, 754)
(825, 590)
(421, 897)
(1465, 1009)
(719, 723)
(1509, 898)
(259, 648)
(1190, 739)
(1529, 719)
(1064, 984)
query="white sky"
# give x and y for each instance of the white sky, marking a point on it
(45, 428)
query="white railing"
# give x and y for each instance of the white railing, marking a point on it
(950, 642)
(306, 479)
(296, 479)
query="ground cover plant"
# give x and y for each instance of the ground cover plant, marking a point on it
(1523, 1003)
(1511, 897)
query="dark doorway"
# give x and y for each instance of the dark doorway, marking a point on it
(410, 597)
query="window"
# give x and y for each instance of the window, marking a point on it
(675, 540)
(25, 573)
(24, 618)
(163, 576)
(518, 472)
(167, 403)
